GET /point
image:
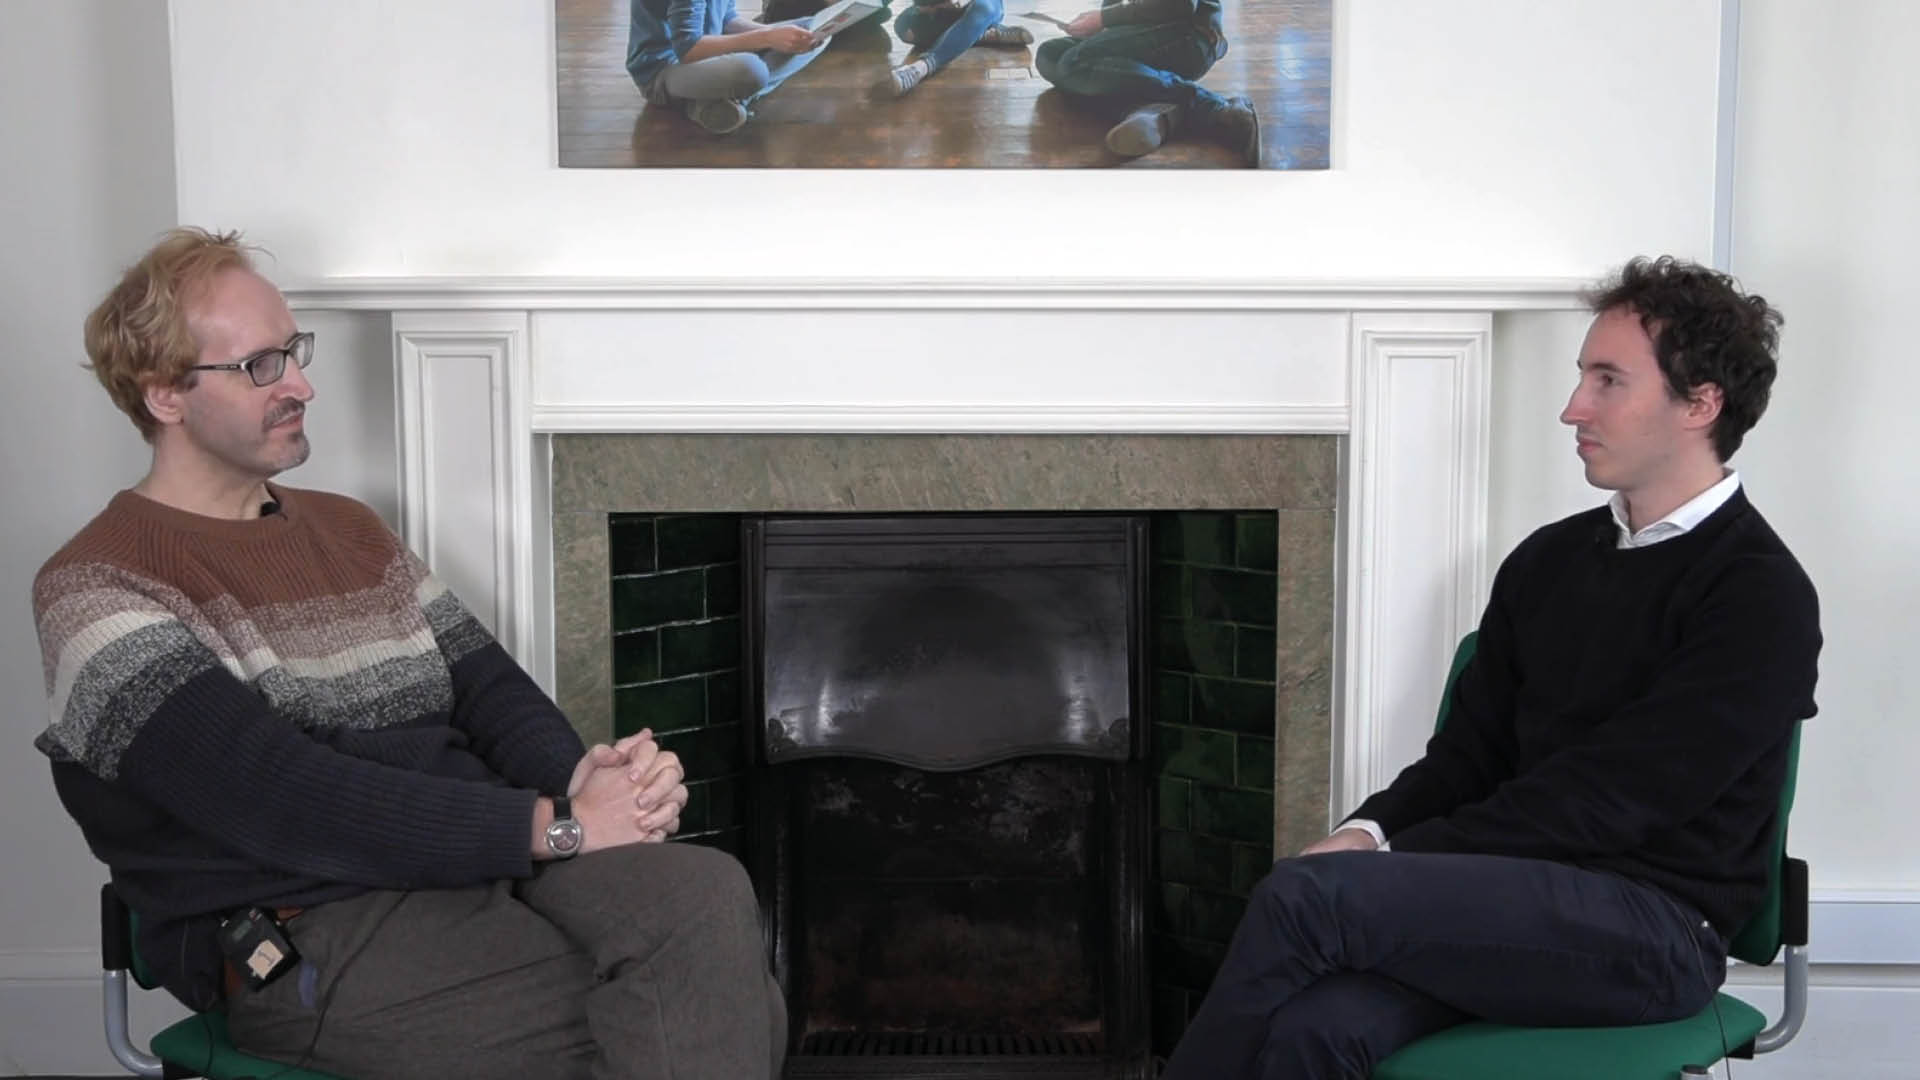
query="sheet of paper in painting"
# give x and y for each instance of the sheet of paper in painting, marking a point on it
(1043, 17)
(841, 14)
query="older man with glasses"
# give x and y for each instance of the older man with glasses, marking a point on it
(272, 722)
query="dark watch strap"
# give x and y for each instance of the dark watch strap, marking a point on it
(562, 808)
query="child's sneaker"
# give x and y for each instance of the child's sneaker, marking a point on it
(1144, 129)
(722, 116)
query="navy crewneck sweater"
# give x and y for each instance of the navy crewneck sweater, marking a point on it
(1627, 710)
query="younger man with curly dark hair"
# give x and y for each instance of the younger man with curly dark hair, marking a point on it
(1594, 822)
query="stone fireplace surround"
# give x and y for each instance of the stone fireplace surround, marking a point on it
(529, 409)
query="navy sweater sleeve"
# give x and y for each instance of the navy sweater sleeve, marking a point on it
(515, 727)
(213, 756)
(1474, 752)
(1727, 696)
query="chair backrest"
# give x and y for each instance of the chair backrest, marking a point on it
(120, 937)
(1758, 942)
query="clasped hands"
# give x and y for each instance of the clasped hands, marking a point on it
(630, 792)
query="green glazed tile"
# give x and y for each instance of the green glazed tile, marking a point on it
(1163, 532)
(1191, 859)
(1256, 541)
(636, 657)
(656, 599)
(723, 590)
(1233, 815)
(1195, 754)
(1175, 808)
(1253, 770)
(1240, 596)
(723, 802)
(723, 698)
(1255, 653)
(1169, 698)
(1233, 706)
(698, 540)
(707, 752)
(1206, 648)
(662, 706)
(1213, 916)
(695, 647)
(1194, 537)
(1250, 863)
(630, 547)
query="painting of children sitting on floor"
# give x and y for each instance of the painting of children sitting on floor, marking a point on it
(943, 83)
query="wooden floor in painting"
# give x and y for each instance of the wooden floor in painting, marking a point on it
(988, 109)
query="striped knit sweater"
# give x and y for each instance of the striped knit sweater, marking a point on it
(282, 711)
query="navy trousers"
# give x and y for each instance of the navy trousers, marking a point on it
(1343, 958)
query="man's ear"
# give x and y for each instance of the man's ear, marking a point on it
(1703, 405)
(165, 401)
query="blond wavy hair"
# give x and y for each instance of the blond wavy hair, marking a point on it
(139, 335)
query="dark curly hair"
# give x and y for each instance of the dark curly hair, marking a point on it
(1704, 330)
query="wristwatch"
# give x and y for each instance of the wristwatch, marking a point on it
(565, 836)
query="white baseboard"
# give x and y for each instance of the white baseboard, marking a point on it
(1860, 926)
(1860, 1023)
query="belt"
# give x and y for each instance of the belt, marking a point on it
(231, 979)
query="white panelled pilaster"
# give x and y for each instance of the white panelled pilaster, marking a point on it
(466, 473)
(1414, 532)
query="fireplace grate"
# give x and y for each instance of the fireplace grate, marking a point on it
(920, 1044)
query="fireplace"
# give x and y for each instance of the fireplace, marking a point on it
(650, 571)
(947, 736)
(539, 447)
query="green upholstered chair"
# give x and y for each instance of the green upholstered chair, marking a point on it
(196, 1046)
(1478, 1051)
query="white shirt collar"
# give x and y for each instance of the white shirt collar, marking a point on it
(1681, 521)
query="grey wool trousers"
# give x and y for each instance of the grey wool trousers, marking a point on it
(637, 962)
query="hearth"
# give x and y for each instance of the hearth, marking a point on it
(947, 742)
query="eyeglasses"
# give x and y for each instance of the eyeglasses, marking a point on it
(266, 366)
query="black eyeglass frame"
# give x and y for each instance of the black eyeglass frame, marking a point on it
(299, 349)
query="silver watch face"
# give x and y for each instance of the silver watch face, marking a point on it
(564, 837)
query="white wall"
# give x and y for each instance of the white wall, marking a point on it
(1826, 221)
(1826, 218)
(89, 183)
(88, 180)
(1471, 138)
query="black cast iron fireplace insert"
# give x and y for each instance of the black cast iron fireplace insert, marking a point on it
(948, 741)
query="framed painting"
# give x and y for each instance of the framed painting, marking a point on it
(1035, 84)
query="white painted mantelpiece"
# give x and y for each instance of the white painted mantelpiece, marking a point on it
(488, 369)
